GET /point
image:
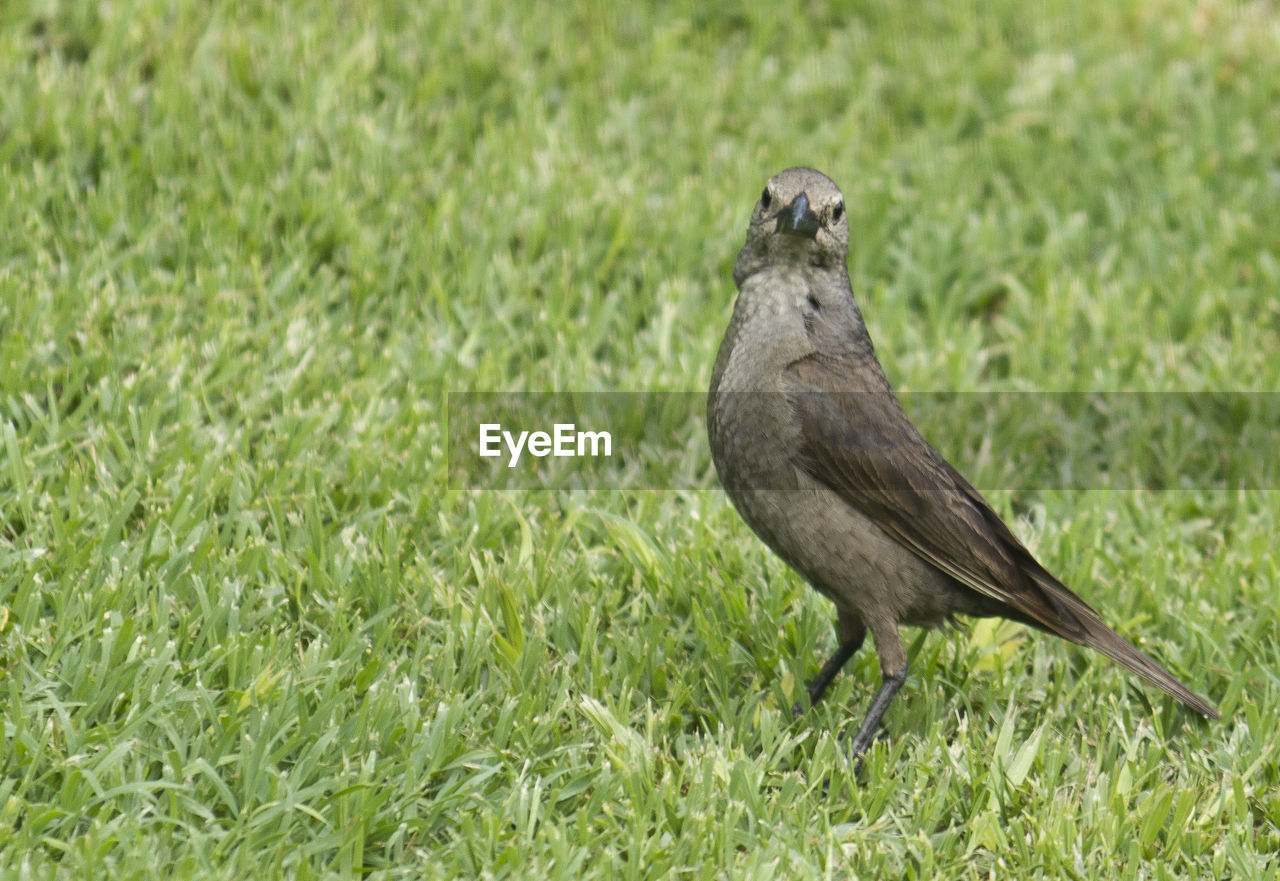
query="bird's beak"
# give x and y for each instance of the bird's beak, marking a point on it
(797, 220)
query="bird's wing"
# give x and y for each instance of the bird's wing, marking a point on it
(862, 446)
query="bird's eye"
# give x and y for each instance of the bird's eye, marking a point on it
(765, 199)
(837, 212)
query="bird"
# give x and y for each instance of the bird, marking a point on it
(820, 459)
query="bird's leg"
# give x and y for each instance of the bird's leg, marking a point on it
(893, 670)
(892, 682)
(851, 632)
(818, 685)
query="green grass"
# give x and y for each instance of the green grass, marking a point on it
(247, 249)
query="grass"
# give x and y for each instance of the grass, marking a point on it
(245, 629)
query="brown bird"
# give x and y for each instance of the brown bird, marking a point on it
(820, 460)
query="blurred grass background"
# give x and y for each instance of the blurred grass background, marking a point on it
(249, 247)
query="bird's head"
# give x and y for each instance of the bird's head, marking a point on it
(799, 220)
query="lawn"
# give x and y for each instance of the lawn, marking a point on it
(247, 630)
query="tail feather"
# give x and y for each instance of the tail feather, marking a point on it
(1093, 632)
(1115, 647)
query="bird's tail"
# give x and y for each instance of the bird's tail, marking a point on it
(1097, 635)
